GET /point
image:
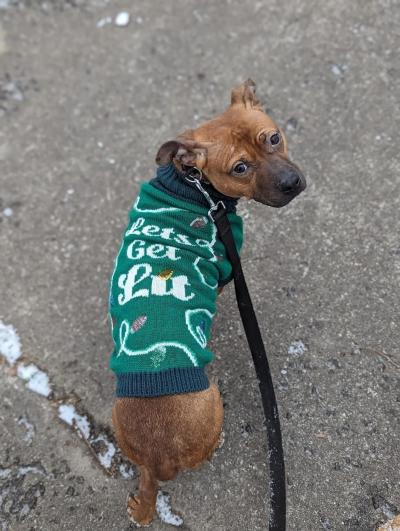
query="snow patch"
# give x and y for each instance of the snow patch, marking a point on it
(30, 469)
(102, 446)
(297, 348)
(10, 344)
(338, 69)
(105, 457)
(4, 472)
(103, 22)
(8, 212)
(24, 511)
(10, 348)
(4, 4)
(126, 471)
(12, 91)
(23, 471)
(29, 427)
(70, 416)
(122, 19)
(37, 380)
(164, 510)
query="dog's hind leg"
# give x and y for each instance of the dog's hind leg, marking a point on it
(141, 507)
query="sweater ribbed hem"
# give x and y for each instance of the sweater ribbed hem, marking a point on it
(168, 382)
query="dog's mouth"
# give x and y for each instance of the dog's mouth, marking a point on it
(275, 203)
(281, 192)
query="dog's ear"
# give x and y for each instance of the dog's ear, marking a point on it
(186, 152)
(245, 94)
(167, 152)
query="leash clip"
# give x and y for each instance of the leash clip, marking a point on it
(194, 176)
(215, 210)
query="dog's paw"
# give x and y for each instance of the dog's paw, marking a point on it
(141, 515)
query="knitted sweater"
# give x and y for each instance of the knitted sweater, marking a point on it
(164, 288)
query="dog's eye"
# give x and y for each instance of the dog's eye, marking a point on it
(239, 168)
(275, 139)
(271, 140)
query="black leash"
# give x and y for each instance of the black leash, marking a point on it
(217, 213)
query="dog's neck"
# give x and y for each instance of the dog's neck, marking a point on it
(173, 182)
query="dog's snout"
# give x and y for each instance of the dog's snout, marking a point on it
(289, 181)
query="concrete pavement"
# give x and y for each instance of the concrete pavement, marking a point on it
(84, 105)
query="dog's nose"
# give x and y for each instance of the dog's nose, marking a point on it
(289, 181)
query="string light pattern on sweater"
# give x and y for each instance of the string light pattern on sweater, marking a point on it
(163, 295)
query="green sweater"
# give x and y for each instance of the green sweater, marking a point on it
(163, 294)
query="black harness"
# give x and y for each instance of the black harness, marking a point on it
(217, 213)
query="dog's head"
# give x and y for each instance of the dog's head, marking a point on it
(242, 152)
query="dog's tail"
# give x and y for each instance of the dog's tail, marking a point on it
(166, 470)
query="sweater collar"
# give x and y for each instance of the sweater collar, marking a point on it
(171, 181)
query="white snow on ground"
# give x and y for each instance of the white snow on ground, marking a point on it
(23, 471)
(103, 22)
(10, 344)
(68, 414)
(37, 380)
(126, 471)
(338, 70)
(4, 472)
(10, 349)
(297, 348)
(30, 469)
(4, 4)
(12, 92)
(105, 458)
(30, 429)
(122, 19)
(164, 510)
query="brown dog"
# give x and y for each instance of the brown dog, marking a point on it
(242, 153)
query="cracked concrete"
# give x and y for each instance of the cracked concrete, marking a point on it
(83, 110)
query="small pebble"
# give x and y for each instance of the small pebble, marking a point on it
(297, 348)
(8, 212)
(291, 124)
(336, 70)
(12, 91)
(122, 19)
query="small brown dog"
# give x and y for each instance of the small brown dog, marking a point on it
(241, 153)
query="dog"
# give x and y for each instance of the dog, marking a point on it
(171, 265)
